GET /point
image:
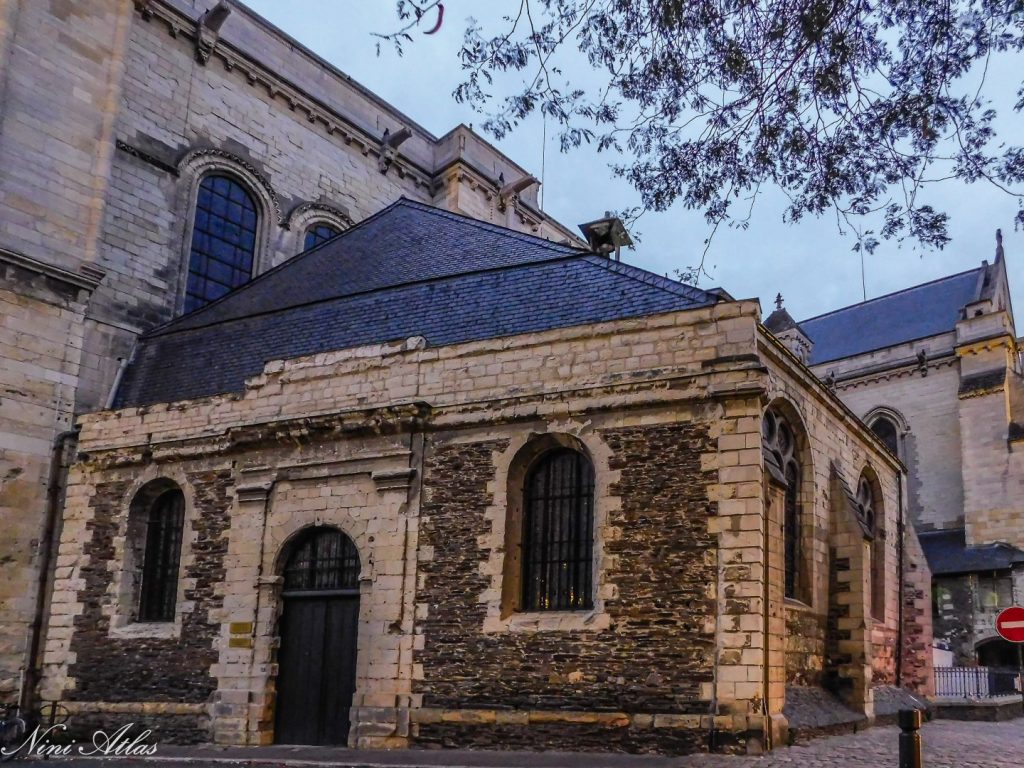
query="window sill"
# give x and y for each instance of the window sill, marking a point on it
(153, 629)
(593, 620)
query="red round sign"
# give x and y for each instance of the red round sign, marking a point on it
(1010, 624)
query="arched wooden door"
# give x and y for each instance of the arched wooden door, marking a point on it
(319, 627)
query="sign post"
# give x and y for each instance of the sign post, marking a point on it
(1010, 626)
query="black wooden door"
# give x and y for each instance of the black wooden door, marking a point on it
(316, 674)
(316, 668)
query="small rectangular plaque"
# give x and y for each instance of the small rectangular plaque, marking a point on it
(241, 627)
(240, 642)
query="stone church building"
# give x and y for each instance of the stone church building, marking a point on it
(452, 476)
(936, 371)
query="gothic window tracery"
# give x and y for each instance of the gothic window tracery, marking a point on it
(778, 442)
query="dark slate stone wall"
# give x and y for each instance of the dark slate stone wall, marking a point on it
(805, 647)
(152, 669)
(654, 657)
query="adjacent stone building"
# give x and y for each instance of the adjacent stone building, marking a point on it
(935, 370)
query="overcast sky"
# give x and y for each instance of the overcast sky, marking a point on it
(811, 263)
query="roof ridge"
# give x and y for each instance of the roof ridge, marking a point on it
(893, 293)
(165, 331)
(648, 277)
(487, 225)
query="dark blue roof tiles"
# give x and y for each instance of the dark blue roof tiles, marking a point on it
(947, 553)
(406, 242)
(915, 313)
(178, 363)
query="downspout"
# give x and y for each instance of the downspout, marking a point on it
(30, 681)
(901, 583)
(766, 610)
(123, 363)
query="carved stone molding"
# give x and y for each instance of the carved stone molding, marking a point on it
(208, 30)
(305, 213)
(212, 156)
(146, 157)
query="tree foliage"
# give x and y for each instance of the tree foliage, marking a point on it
(846, 106)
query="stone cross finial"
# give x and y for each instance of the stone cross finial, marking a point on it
(778, 301)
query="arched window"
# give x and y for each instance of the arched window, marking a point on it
(158, 594)
(868, 508)
(324, 560)
(558, 537)
(778, 442)
(223, 240)
(319, 233)
(887, 432)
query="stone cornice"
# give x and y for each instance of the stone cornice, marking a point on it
(293, 431)
(985, 345)
(899, 370)
(648, 393)
(88, 278)
(332, 122)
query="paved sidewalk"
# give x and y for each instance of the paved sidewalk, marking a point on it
(947, 744)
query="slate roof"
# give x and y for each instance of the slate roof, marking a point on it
(947, 553)
(410, 270)
(915, 313)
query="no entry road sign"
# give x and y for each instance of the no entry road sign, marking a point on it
(1010, 624)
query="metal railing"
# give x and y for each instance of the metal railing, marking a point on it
(976, 682)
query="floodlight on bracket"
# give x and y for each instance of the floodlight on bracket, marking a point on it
(607, 235)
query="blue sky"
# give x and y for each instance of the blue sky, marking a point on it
(810, 262)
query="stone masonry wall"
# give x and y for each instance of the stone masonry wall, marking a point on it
(831, 555)
(652, 658)
(656, 401)
(40, 336)
(928, 406)
(175, 669)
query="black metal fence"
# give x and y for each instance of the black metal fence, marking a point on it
(976, 682)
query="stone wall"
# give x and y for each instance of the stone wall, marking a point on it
(155, 664)
(916, 668)
(648, 656)
(410, 449)
(40, 335)
(925, 406)
(953, 622)
(805, 646)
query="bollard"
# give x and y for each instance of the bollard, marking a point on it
(910, 739)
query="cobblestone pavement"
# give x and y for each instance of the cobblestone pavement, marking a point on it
(947, 744)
